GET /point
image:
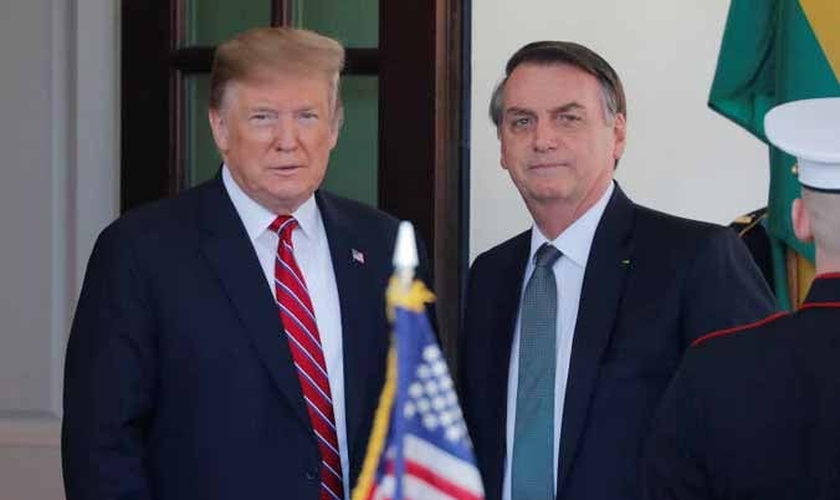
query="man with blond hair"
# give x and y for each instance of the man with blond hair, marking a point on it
(753, 411)
(230, 343)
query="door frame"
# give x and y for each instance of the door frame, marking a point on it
(422, 64)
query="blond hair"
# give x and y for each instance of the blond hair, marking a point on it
(260, 52)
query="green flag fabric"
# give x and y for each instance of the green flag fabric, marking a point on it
(776, 51)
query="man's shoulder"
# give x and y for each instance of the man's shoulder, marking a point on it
(163, 220)
(335, 206)
(680, 240)
(748, 360)
(751, 332)
(662, 223)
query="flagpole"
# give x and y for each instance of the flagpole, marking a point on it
(419, 446)
(405, 255)
(405, 262)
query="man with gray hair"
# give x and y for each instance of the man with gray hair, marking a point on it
(753, 411)
(230, 343)
(574, 328)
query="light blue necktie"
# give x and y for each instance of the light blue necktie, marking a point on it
(532, 471)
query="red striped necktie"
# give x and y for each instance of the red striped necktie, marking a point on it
(298, 318)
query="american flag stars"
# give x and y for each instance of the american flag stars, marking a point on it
(432, 399)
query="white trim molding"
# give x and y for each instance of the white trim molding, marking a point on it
(30, 432)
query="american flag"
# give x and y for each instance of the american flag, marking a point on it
(427, 454)
(357, 256)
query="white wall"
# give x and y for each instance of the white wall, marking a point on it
(58, 188)
(681, 157)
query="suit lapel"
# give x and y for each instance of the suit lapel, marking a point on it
(511, 272)
(363, 325)
(512, 277)
(603, 284)
(231, 257)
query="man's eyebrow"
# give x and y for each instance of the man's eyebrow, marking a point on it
(261, 109)
(572, 106)
(514, 110)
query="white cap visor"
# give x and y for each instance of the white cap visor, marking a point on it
(809, 130)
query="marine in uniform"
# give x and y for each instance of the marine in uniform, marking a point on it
(754, 411)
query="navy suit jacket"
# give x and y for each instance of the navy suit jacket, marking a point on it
(754, 412)
(178, 381)
(652, 284)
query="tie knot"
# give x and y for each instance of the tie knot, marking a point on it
(283, 225)
(547, 255)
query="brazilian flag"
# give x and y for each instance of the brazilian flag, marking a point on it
(775, 51)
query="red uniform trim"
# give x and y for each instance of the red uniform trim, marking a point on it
(816, 305)
(735, 329)
(827, 276)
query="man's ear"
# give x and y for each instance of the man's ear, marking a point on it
(801, 221)
(620, 135)
(502, 150)
(219, 128)
(335, 126)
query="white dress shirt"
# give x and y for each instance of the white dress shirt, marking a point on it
(312, 254)
(569, 269)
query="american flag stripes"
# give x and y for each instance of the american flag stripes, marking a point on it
(423, 450)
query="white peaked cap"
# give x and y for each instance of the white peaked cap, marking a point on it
(809, 130)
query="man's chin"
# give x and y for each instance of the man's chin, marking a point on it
(284, 200)
(549, 194)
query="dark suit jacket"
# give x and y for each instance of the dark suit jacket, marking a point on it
(178, 382)
(754, 412)
(653, 283)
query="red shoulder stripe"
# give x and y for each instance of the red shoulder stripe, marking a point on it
(728, 331)
(815, 305)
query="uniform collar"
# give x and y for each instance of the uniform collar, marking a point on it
(825, 291)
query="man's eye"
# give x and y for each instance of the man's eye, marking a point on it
(520, 123)
(569, 118)
(308, 115)
(261, 117)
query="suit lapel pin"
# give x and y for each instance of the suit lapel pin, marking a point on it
(625, 262)
(357, 256)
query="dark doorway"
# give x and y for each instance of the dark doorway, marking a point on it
(416, 67)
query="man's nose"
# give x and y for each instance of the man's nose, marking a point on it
(545, 137)
(285, 134)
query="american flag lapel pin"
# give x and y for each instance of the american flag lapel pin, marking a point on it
(357, 256)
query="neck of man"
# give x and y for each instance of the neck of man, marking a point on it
(827, 262)
(555, 216)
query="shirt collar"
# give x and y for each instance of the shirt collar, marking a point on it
(576, 241)
(256, 218)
